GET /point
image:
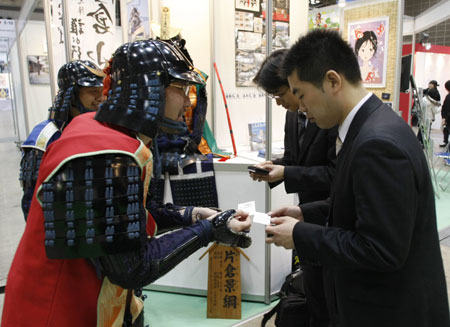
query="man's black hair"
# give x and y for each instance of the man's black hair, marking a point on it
(318, 52)
(447, 85)
(268, 76)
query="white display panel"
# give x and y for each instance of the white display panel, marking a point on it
(432, 66)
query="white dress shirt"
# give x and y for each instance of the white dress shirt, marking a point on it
(343, 128)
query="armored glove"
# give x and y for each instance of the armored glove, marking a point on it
(223, 234)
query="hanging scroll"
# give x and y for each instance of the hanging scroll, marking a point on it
(91, 28)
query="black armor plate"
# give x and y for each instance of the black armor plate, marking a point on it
(93, 207)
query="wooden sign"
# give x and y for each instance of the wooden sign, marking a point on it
(224, 282)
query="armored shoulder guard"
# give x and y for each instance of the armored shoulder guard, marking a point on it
(93, 206)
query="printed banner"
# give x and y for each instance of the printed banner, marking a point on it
(138, 25)
(7, 34)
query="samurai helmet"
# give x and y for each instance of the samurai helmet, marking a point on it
(139, 73)
(72, 76)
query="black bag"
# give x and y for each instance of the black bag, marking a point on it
(292, 310)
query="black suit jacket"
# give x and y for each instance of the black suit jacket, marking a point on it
(445, 110)
(309, 170)
(380, 251)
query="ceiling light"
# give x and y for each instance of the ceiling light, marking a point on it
(341, 3)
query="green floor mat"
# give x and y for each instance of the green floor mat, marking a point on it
(169, 309)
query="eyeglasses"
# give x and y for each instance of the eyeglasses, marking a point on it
(277, 96)
(185, 88)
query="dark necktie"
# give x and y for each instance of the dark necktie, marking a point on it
(301, 129)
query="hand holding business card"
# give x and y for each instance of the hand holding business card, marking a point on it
(257, 217)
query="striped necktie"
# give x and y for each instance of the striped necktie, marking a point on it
(301, 129)
(338, 145)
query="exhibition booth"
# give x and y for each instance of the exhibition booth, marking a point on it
(228, 41)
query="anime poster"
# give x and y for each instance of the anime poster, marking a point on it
(91, 27)
(324, 19)
(369, 40)
(138, 20)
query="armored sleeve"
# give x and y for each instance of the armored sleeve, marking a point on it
(93, 208)
(168, 216)
(29, 169)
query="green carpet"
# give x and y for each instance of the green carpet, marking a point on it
(173, 310)
(443, 197)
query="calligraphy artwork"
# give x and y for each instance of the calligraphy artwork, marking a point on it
(369, 39)
(224, 283)
(91, 26)
(58, 52)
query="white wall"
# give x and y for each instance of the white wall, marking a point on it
(37, 96)
(17, 91)
(429, 66)
(193, 19)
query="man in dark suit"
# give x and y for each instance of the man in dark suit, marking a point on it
(306, 168)
(380, 250)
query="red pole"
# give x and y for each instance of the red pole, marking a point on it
(226, 109)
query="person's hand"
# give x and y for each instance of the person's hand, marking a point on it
(291, 211)
(202, 213)
(443, 122)
(241, 221)
(229, 228)
(259, 165)
(262, 164)
(280, 232)
(276, 173)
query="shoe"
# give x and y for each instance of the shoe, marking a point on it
(443, 145)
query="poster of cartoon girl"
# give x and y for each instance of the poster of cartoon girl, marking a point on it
(324, 19)
(369, 39)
